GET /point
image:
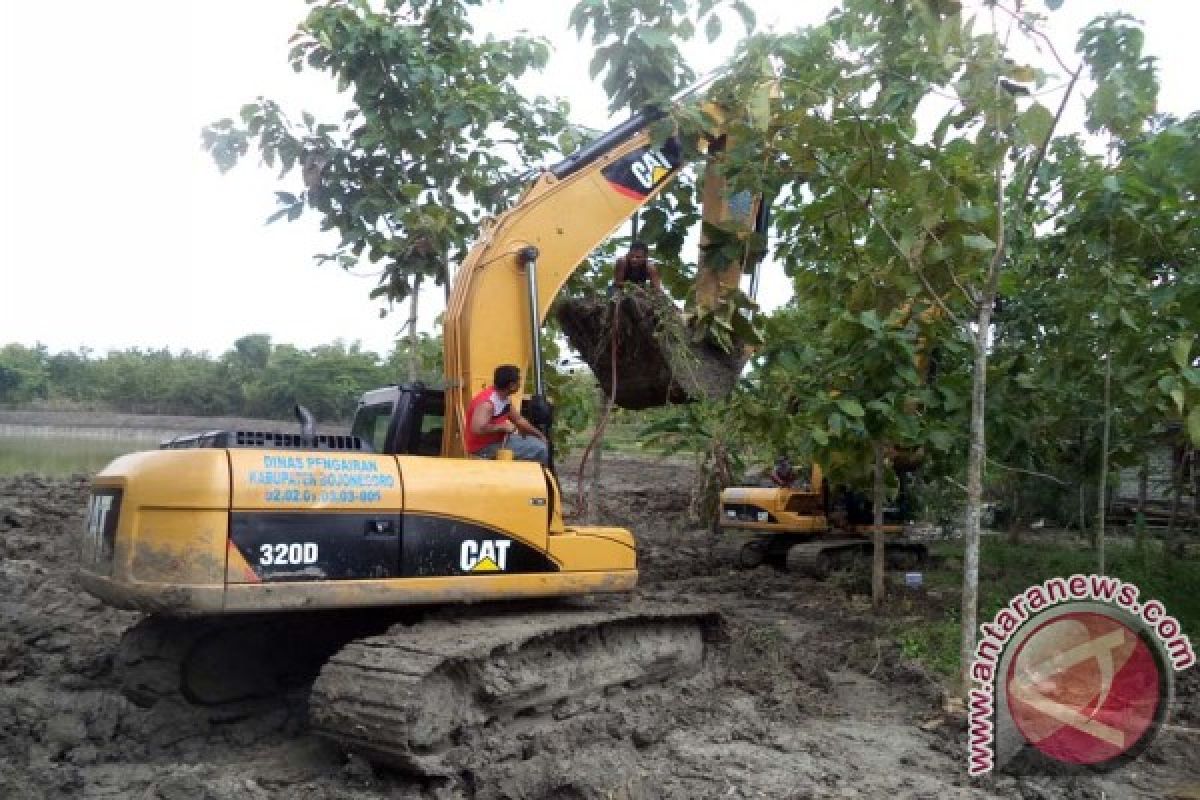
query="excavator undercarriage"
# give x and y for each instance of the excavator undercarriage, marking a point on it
(413, 693)
(803, 531)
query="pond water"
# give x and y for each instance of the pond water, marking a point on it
(64, 451)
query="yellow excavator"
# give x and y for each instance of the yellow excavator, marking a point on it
(262, 558)
(814, 529)
(817, 528)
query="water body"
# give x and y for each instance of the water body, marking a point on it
(56, 452)
(59, 443)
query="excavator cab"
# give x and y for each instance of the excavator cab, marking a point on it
(406, 419)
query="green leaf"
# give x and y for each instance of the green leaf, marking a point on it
(1036, 122)
(820, 436)
(748, 18)
(1177, 396)
(713, 29)
(655, 38)
(941, 440)
(1128, 320)
(759, 107)
(1193, 425)
(1111, 184)
(1022, 74)
(850, 407)
(1181, 350)
(977, 241)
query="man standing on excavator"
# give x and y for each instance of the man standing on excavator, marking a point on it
(636, 268)
(493, 423)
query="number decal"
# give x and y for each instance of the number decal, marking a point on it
(285, 554)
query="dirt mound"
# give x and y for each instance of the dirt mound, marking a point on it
(810, 699)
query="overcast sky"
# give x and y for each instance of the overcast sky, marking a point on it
(117, 231)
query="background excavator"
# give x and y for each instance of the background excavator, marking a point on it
(814, 529)
(261, 557)
(817, 528)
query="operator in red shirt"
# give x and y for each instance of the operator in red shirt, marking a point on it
(492, 422)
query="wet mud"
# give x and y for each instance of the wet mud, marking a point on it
(810, 697)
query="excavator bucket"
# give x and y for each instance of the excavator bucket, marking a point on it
(656, 359)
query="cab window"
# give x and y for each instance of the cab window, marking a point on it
(371, 425)
(429, 440)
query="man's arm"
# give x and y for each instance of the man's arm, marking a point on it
(523, 425)
(481, 421)
(619, 272)
(654, 279)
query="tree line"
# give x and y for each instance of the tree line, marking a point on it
(254, 378)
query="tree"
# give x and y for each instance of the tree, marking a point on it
(23, 374)
(435, 138)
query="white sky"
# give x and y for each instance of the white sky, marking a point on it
(116, 229)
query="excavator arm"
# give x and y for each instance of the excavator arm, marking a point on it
(512, 275)
(505, 287)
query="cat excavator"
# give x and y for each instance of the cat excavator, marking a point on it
(814, 528)
(416, 583)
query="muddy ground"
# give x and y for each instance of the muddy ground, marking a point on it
(811, 699)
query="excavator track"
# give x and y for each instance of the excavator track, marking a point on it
(819, 559)
(739, 549)
(229, 666)
(416, 696)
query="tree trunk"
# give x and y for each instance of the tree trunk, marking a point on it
(1014, 520)
(1195, 456)
(447, 202)
(1139, 527)
(878, 584)
(414, 361)
(1102, 493)
(597, 453)
(978, 448)
(1083, 528)
(1170, 544)
(975, 461)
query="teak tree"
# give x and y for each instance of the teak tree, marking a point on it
(436, 136)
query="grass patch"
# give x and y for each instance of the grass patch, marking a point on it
(934, 642)
(1007, 569)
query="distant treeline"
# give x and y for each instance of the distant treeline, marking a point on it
(255, 378)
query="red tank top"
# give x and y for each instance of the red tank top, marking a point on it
(477, 441)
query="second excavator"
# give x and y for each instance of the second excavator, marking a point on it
(813, 529)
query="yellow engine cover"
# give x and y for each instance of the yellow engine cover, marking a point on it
(212, 530)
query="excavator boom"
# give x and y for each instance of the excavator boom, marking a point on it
(504, 289)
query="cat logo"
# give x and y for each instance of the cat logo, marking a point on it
(640, 172)
(489, 555)
(651, 170)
